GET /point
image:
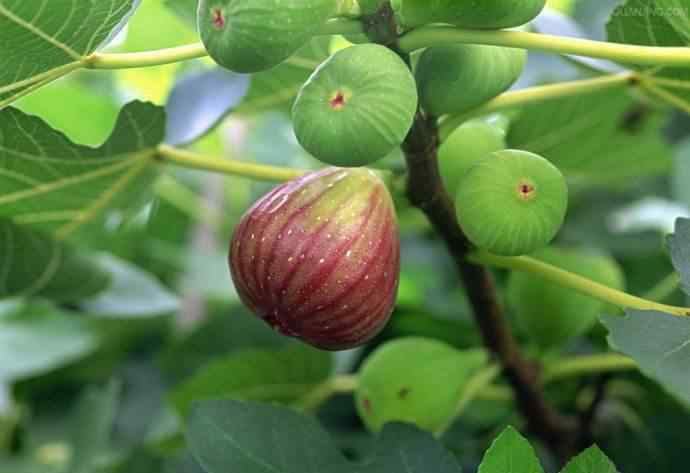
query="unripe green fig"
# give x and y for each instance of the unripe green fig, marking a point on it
(512, 202)
(552, 314)
(415, 380)
(484, 14)
(357, 106)
(318, 258)
(469, 143)
(460, 77)
(255, 35)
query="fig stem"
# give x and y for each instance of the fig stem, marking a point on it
(538, 94)
(578, 366)
(623, 53)
(259, 172)
(160, 57)
(146, 58)
(576, 282)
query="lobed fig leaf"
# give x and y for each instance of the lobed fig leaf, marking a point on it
(512, 202)
(487, 14)
(256, 35)
(318, 258)
(468, 144)
(400, 382)
(460, 77)
(356, 107)
(551, 314)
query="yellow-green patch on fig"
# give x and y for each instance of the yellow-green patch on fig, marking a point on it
(484, 14)
(551, 314)
(255, 35)
(414, 380)
(357, 107)
(512, 202)
(457, 78)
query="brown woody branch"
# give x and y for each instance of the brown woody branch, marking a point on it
(426, 191)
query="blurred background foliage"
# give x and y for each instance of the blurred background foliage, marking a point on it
(92, 387)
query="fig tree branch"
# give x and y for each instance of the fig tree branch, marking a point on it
(259, 172)
(622, 53)
(576, 282)
(426, 191)
(539, 94)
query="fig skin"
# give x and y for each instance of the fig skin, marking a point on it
(250, 36)
(512, 202)
(487, 14)
(356, 107)
(318, 258)
(468, 144)
(459, 77)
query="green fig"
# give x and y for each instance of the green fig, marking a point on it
(512, 202)
(469, 143)
(457, 78)
(318, 258)
(484, 14)
(551, 314)
(357, 107)
(414, 380)
(256, 35)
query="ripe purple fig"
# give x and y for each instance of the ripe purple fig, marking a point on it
(318, 258)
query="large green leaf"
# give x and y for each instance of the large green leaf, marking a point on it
(596, 139)
(591, 460)
(403, 448)
(50, 183)
(132, 293)
(41, 40)
(657, 23)
(679, 246)
(658, 342)
(510, 453)
(39, 338)
(229, 436)
(232, 436)
(260, 375)
(651, 22)
(34, 264)
(93, 426)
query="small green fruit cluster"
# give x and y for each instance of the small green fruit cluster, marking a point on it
(512, 202)
(551, 314)
(484, 14)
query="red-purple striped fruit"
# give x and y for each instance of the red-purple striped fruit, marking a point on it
(318, 258)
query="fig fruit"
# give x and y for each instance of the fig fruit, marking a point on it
(459, 77)
(318, 258)
(487, 14)
(512, 202)
(469, 143)
(400, 381)
(256, 35)
(356, 107)
(552, 314)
